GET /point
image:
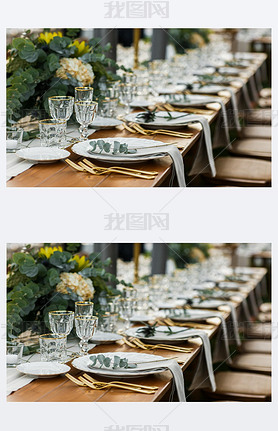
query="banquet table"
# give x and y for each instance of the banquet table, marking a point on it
(60, 174)
(60, 389)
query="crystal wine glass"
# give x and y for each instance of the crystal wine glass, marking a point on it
(83, 94)
(126, 310)
(127, 94)
(85, 328)
(84, 308)
(85, 112)
(61, 324)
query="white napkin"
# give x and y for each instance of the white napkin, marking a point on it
(175, 155)
(16, 380)
(234, 106)
(175, 369)
(203, 373)
(15, 165)
(204, 161)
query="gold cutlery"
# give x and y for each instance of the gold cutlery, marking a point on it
(81, 167)
(123, 168)
(101, 171)
(168, 107)
(81, 381)
(125, 383)
(170, 322)
(136, 343)
(136, 128)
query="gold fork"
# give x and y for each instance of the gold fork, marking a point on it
(135, 342)
(122, 168)
(125, 383)
(103, 385)
(140, 129)
(170, 322)
(81, 381)
(169, 107)
(101, 171)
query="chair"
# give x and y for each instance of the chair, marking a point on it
(236, 386)
(265, 93)
(241, 171)
(255, 362)
(256, 346)
(258, 116)
(256, 132)
(257, 148)
(260, 331)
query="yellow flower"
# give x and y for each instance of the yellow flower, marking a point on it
(82, 262)
(48, 251)
(82, 48)
(47, 37)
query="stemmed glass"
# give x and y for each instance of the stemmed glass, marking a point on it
(127, 94)
(85, 328)
(61, 323)
(83, 94)
(85, 112)
(84, 308)
(126, 310)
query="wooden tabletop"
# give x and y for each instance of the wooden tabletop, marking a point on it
(61, 175)
(60, 389)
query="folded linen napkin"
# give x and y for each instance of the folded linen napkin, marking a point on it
(172, 366)
(204, 161)
(16, 380)
(15, 165)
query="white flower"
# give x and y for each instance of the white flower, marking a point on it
(83, 287)
(82, 72)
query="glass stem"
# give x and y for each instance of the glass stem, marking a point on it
(83, 347)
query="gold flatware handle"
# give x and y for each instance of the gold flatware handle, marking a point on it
(86, 376)
(112, 385)
(74, 380)
(122, 168)
(74, 165)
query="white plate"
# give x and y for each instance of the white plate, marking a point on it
(105, 123)
(210, 303)
(160, 336)
(105, 337)
(170, 89)
(197, 315)
(230, 71)
(179, 119)
(142, 155)
(209, 89)
(192, 100)
(142, 318)
(43, 154)
(43, 369)
(230, 285)
(83, 362)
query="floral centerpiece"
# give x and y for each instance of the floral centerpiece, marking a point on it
(52, 64)
(51, 279)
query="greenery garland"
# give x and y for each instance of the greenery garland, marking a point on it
(33, 277)
(39, 67)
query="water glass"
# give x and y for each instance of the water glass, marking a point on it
(126, 310)
(61, 322)
(85, 327)
(52, 132)
(83, 94)
(84, 308)
(13, 139)
(14, 354)
(61, 107)
(85, 112)
(53, 347)
(127, 95)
